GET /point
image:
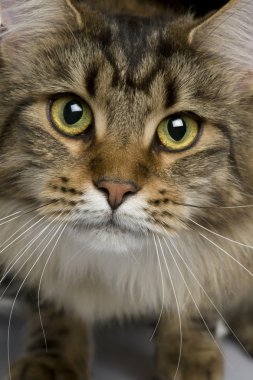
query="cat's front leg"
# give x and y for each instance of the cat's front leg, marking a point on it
(62, 354)
(199, 358)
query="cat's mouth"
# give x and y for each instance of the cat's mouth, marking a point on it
(110, 236)
(113, 225)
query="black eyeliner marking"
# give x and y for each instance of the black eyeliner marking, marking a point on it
(171, 94)
(90, 81)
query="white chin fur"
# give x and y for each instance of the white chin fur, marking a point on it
(110, 241)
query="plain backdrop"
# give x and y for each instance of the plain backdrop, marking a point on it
(121, 353)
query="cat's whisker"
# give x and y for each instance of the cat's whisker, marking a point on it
(10, 220)
(194, 301)
(219, 235)
(19, 236)
(213, 206)
(27, 259)
(163, 292)
(227, 254)
(10, 216)
(178, 309)
(32, 231)
(40, 283)
(19, 214)
(206, 294)
(17, 294)
(22, 252)
(24, 225)
(18, 230)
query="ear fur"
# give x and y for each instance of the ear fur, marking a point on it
(229, 34)
(27, 22)
(30, 16)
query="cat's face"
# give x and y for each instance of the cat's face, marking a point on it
(122, 127)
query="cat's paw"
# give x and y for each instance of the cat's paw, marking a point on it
(44, 367)
(198, 365)
(193, 371)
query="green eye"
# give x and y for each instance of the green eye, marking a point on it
(71, 115)
(178, 132)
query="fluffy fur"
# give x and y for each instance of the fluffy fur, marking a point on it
(133, 71)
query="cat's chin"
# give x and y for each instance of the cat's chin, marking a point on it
(110, 239)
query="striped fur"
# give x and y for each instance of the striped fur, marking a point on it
(135, 64)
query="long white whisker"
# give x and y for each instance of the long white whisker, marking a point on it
(20, 254)
(19, 290)
(227, 254)
(19, 214)
(30, 234)
(10, 216)
(23, 233)
(239, 206)
(19, 229)
(206, 294)
(219, 235)
(178, 309)
(163, 293)
(10, 220)
(40, 283)
(190, 293)
(25, 262)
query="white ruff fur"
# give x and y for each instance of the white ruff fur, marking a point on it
(100, 275)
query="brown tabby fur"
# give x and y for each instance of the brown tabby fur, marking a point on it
(133, 70)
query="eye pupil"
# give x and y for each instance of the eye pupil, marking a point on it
(73, 112)
(177, 128)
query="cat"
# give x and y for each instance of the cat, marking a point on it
(126, 177)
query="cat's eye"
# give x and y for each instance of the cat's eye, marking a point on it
(70, 115)
(178, 132)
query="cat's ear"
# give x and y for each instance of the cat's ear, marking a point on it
(5, 5)
(228, 33)
(26, 23)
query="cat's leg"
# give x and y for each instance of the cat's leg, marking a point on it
(240, 321)
(200, 356)
(64, 356)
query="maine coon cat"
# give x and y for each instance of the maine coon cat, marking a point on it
(126, 176)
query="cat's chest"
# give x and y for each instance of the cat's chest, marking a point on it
(112, 287)
(101, 285)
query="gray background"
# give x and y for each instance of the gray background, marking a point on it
(122, 353)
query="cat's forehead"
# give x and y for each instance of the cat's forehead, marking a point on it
(126, 68)
(128, 40)
(128, 65)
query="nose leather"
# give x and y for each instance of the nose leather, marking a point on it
(116, 191)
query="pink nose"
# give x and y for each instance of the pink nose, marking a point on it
(116, 191)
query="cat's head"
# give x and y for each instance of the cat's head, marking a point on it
(126, 125)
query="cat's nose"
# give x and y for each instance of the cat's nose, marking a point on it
(116, 192)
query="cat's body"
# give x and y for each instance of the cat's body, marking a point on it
(113, 212)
